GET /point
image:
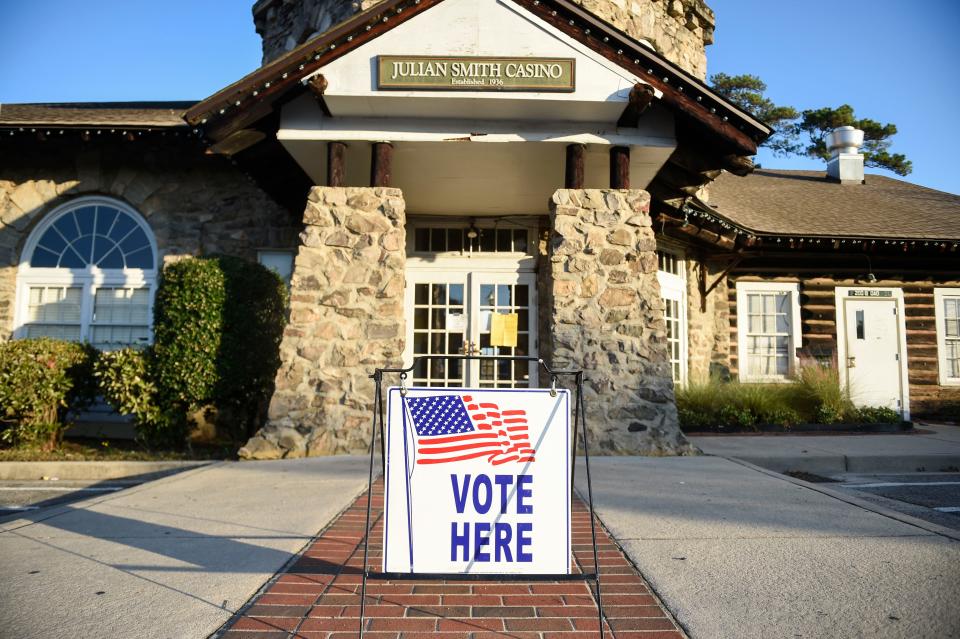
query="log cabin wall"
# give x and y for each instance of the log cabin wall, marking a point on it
(928, 399)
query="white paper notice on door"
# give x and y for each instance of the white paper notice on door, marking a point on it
(456, 322)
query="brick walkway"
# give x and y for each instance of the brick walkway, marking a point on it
(318, 596)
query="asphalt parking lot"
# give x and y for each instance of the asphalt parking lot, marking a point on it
(934, 497)
(20, 497)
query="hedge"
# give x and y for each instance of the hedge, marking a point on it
(218, 322)
(40, 379)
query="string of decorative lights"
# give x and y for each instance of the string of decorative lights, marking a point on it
(87, 133)
(797, 241)
(657, 69)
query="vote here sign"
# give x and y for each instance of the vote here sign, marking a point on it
(477, 481)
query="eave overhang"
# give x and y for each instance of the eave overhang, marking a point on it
(698, 220)
(255, 96)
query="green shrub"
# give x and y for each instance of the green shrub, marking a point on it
(254, 317)
(187, 328)
(40, 379)
(877, 415)
(218, 322)
(125, 380)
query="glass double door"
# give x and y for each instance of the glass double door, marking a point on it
(451, 313)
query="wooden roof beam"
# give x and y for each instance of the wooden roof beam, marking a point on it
(641, 96)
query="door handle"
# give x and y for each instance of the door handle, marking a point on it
(851, 362)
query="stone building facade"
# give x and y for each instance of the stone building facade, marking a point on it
(193, 204)
(607, 318)
(346, 319)
(420, 213)
(680, 30)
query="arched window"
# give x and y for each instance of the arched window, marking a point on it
(88, 273)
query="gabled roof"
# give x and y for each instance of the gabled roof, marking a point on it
(95, 114)
(807, 203)
(254, 96)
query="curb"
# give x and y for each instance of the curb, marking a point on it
(930, 527)
(93, 470)
(831, 464)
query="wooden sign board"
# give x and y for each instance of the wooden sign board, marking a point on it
(475, 73)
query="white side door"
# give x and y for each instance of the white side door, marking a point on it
(873, 358)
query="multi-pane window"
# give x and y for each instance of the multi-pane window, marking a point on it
(505, 299)
(54, 311)
(671, 275)
(768, 334)
(439, 327)
(947, 301)
(121, 316)
(88, 274)
(668, 262)
(470, 240)
(674, 333)
(767, 315)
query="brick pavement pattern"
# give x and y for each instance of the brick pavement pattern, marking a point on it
(318, 596)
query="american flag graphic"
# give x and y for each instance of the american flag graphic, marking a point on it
(452, 428)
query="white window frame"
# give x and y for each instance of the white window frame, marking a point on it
(492, 261)
(793, 361)
(89, 278)
(939, 296)
(673, 286)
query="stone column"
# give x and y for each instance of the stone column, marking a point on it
(346, 318)
(607, 317)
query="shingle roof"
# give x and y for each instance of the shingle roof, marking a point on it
(806, 203)
(129, 114)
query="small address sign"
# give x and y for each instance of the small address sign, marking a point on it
(475, 73)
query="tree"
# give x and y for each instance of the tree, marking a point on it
(813, 125)
(818, 123)
(746, 92)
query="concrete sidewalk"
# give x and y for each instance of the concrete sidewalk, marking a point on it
(737, 552)
(829, 454)
(172, 558)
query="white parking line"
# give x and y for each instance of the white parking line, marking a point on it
(64, 489)
(893, 484)
(948, 509)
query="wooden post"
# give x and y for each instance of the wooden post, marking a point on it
(336, 168)
(573, 179)
(381, 159)
(619, 167)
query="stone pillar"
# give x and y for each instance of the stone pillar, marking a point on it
(346, 319)
(606, 317)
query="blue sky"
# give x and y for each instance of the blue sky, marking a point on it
(890, 59)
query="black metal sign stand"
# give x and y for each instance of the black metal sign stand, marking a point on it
(579, 424)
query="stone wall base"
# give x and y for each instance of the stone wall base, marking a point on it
(607, 318)
(346, 319)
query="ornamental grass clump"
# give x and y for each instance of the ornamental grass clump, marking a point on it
(40, 381)
(815, 396)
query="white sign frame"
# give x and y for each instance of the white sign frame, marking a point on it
(422, 510)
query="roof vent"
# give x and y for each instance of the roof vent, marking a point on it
(845, 164)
